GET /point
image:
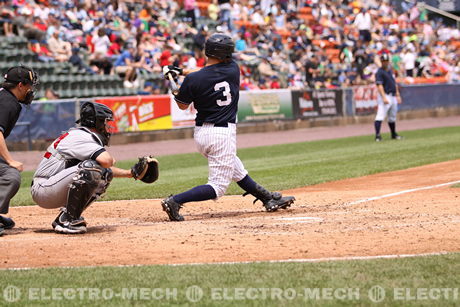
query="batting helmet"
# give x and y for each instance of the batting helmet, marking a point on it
(219, 46)
(96, 115)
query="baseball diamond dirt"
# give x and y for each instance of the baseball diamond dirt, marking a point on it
(410, 211)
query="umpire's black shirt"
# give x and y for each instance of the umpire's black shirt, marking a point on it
(9, 111)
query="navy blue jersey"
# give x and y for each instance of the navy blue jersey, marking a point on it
(214, 91)
(385, 78)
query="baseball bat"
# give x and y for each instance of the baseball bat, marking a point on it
(173, 85)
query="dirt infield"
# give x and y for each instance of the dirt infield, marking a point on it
(326, 221)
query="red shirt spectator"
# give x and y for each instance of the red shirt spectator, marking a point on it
(165, 58)
(275, 84)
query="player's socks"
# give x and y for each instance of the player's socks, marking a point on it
(392, 129)
(198, 193)
(377, 125)
(248, 184)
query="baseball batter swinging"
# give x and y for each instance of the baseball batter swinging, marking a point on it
(76, 169)
(214, 90)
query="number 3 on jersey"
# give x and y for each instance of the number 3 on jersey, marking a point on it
(228, 96)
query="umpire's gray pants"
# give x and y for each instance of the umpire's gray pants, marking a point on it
(52, 192)
(10, 181)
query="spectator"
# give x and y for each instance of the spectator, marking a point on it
(265, 69)
(123, 65)
(190, 7)
(213, 10)
(363, 22)
(60, 50)
(6, 18)
(225, 14)
(77, 61)
(311, 71)
(408, 60)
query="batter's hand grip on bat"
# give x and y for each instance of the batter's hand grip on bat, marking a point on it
(173, 85)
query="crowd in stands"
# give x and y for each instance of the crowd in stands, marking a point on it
(279, 43)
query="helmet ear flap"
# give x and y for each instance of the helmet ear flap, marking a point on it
(88, 115)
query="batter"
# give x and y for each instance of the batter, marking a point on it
(214, 91)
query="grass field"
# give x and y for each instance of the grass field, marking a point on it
(284, 283)
(276, 167)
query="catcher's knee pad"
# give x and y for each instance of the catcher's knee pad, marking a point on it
(90, 182)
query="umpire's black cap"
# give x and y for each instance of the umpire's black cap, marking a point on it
(22, 74)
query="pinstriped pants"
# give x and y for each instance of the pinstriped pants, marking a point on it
(218, 145)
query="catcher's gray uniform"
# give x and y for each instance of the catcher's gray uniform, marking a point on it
(59, 166)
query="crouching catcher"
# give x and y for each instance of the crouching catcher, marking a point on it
(76, 169)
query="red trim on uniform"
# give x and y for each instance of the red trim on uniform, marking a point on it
(60, 139)
(47, 155)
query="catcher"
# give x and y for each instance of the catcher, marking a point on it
(76, 169)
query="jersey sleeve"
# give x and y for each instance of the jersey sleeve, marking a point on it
(185, 95)
(379, 77)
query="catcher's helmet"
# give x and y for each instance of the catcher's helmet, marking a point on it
(96, 115)
(219, 46)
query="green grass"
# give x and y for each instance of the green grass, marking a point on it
(289, 166)
(421, 272)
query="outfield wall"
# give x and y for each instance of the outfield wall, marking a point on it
(45, 120)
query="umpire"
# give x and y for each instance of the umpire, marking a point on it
(388, 99)
(18, 88)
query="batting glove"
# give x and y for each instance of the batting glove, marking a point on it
(173, 70)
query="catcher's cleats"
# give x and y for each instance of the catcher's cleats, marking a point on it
(172, 209)
(64, 224)
(146, 169)
(7, 222)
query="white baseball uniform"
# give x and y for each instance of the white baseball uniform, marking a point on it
(58, 167)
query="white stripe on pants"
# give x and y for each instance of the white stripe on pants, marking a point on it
(52, 192)
(218, 145)
(383, 109)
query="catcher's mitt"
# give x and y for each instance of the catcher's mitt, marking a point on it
(146, 169)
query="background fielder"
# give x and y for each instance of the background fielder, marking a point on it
(388, 98)
(214, 90)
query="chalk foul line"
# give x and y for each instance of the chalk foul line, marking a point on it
(301, 260)
(400, 193)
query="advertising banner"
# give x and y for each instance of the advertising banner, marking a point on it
(45, 120)
(317, 103)
(140, 113)
(256, 105)
(365, 98)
